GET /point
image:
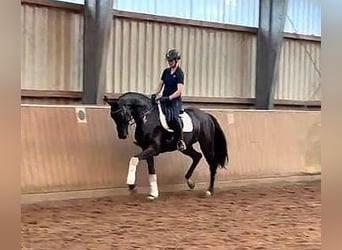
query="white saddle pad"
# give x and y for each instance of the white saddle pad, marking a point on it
(186, 119)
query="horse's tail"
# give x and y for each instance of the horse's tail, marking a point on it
(220, 145)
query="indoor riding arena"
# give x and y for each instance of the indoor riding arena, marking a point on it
(75, 169)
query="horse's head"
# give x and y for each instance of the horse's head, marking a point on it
(121, 116)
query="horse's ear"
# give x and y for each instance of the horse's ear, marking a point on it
(109, 101)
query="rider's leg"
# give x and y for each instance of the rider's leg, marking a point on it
(177, 127)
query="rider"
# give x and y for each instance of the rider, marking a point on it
(172, 80)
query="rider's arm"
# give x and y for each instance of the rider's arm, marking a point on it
(178, 92)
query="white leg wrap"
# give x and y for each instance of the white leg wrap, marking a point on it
(132, 170)
(153, 185)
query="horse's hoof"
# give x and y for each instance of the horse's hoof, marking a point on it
(191, 184)
(151, 197)
(208, 193)
(132, 188)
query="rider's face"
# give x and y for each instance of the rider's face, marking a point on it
(172, 63)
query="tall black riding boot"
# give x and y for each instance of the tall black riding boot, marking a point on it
(181, 146)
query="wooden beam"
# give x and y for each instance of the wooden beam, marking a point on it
(55, 4)
(182, 21)
(302, 37)
(297, 103)
(51, 94)
(211, 100)
(77, 95)
(234, 100)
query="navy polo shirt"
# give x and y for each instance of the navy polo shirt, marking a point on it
(171, 80)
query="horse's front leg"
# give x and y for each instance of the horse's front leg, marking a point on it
(147, 155)
(154, 192)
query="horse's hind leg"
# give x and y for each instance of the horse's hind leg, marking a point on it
(208, 154)
(213, 169)
(196, 157)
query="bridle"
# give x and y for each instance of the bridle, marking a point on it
(129, 118)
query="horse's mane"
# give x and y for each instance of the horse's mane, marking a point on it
(132, 94)
(135, 97)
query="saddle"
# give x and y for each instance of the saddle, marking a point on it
(184, 117)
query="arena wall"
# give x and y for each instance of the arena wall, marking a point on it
(61, 152)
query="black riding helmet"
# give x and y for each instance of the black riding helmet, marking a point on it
(173, 54)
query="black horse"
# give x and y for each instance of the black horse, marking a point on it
(154, 138)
